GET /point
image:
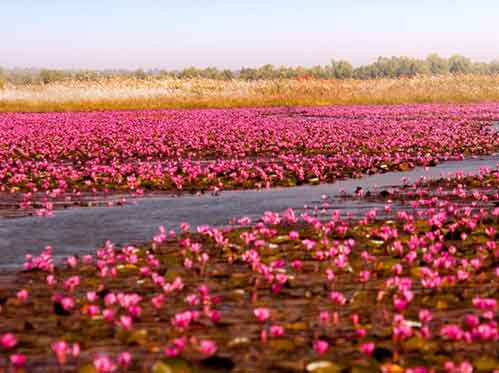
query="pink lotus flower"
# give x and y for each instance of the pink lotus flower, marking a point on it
(471, 321)
(464, 367)
(71, 283)
(104, 364)
(110, 299)
(158, 301)
(485, 303)
(324, 317)
(124, 359)
(297, 265)
(91, 296)
(8, 340)
(51, 281)
(134, 311)
(67, 303)
(61, 349)
(208, 347)
(93, 310)
(321, 347)
(261, 314)
(22, 295)
(214, 315)
(182, 320)
(361, 332)
(125, 322)
(264, 335)
(425, 315)
(364, 276)
(75, 350)
(276, 331)
(355, 319)
(337, 297)
(108, 314)
(452, 332)
(17, 360)
(171, 351)
(367, 348)
(177, 346)
(72, 261)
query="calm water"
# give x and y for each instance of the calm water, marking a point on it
(81, 230)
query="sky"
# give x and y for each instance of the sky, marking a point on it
(100, 34)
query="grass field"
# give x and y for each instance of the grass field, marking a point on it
(204, 93)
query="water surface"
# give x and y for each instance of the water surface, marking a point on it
(81, 230)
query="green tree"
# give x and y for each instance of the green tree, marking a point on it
(437, 65)
(248, 73)
(481, 68)
(86, 75)
(494, 67)
(318, 72)
(189, 73)
(418, 67)
(227, 74)
(385, 67)
(267, 72)
(459, 64)
(49, 76)
(361, 72)
(341, 69)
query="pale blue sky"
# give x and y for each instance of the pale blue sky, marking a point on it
(174, 34)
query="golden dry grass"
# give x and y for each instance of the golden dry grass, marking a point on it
(122, 93)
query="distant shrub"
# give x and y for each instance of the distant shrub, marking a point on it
(50, 76)
(86, 76)
(459, 64)
(383, 67)
(140, 74)
(437, 65)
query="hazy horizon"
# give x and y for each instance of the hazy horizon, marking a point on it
(124, 34)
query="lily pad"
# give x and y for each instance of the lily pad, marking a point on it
(486, 364)
(417, 344)
(88, 368)
(137, 337)
(323, 366)
(172, 366)
(282, 345)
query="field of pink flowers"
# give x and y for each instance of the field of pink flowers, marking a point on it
(65, 154)
(396, 291)
(411, 290)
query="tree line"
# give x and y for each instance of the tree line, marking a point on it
(383, 67)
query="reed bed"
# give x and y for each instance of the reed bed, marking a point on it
(151, 93)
